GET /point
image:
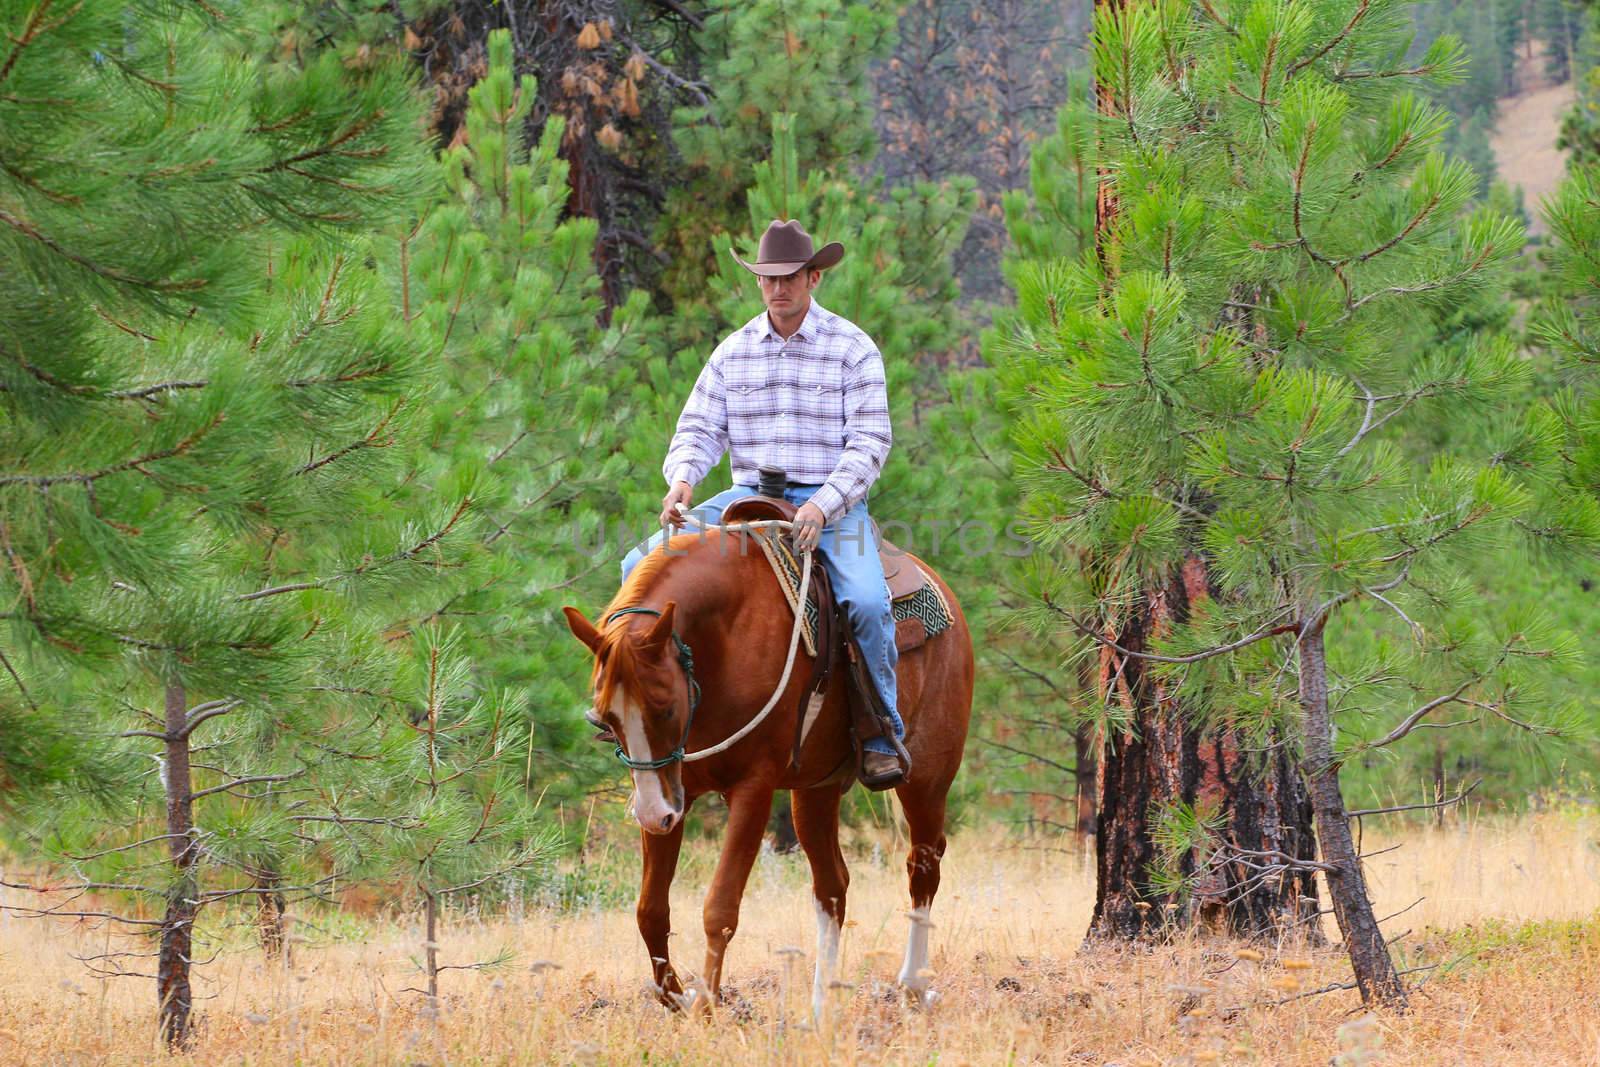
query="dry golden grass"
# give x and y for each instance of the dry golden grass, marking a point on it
(1513, 905)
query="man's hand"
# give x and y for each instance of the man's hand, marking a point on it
(808, 523)
(681, 492)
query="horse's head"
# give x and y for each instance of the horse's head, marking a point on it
(642, 700)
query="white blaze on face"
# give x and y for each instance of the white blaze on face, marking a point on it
(914, 972)
(827, 959)
(650, 805)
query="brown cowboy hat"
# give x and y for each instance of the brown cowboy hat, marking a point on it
(786, 248)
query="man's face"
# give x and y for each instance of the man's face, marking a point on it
(790, 294)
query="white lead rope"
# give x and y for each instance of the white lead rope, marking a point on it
(794, 636)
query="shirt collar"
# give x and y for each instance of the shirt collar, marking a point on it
(810, 326)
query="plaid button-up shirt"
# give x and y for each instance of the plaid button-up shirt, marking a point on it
(815, 405)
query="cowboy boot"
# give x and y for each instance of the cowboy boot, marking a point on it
(881, 770)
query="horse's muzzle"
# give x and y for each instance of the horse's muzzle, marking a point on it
(656, 804)
(665, 824)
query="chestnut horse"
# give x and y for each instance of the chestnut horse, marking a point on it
(709, 621)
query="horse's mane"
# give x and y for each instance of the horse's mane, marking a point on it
(619, 655)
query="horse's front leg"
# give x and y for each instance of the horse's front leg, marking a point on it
(654, 913)
(816, 823)
(748, 811)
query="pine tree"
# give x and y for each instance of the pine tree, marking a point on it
(1051, 221)
(1580, 131)
(172, 406)
(1568, 325)
(525, 437)
(1227, 389)
(807, 59)
(1149, 763)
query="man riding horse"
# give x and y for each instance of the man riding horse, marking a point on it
(685, 671)
(801, 389)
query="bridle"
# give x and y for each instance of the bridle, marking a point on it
(686, 661)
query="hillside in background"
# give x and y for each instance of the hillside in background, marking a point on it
(1524, 136)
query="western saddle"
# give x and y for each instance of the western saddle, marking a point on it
(835, 634)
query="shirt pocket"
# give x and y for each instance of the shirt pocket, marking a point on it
(823, 406)
(748, 393)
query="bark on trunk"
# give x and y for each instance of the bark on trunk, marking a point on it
(1105, 200)
(432, 947)
(1375, 973)
(545, 39)
(177, 926)
(1162, 761)
(270, 913)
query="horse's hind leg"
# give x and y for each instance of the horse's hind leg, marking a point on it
(653, 914)
(816, 824)
(924, 811)
(748, 811)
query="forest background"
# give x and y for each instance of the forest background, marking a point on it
(424, 401)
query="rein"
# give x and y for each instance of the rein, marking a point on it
(686, 659)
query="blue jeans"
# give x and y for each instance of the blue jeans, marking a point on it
(850, 552)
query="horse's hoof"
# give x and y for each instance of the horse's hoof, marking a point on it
(922, 998)
(680, 1002)
(695, 1000)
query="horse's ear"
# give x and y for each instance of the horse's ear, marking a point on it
(663, 627)
(582, 628)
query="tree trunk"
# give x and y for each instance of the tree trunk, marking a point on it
(177, 925)
(1105, 202)
(781, 826)
(545, 38)
(1160, 762)
(270, 913)
(432, 947)
(1376, 977)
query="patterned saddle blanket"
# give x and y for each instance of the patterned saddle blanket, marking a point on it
(918, 615)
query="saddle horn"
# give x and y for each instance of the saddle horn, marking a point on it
(771, 481)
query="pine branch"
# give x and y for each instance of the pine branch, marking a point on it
(1429, 806)
(331, 148)
(1469, 519)
(120, 277)
(371, 440)
(126, 848)
(45, 481)
(37, 24)
(1424, 287)
(145, 392)
(1333, 42)
(697, 21)
(17, 678)
(1064, 768)
(250, 780)
(1410, 722)
(1210, 653)
(672, 78)
(1040, 675)
(369, 566)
